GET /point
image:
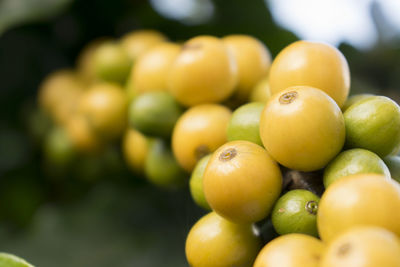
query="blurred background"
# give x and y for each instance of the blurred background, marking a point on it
(98, 213)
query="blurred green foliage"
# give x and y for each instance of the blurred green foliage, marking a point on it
(113, 225)
(14, 12)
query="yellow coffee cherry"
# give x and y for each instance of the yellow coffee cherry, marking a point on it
(204, 72)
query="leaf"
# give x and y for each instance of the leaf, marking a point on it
(16, 12)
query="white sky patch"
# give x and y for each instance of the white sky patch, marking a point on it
(333, 21)
(391, 8)
(187, 11)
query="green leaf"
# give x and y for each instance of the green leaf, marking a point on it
(16, 12)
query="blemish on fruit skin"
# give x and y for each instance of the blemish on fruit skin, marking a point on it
(228, 154)
(281, 210)
(191, 46)
(344, 249)
(201, 151)
(288, 97)
(312, 207)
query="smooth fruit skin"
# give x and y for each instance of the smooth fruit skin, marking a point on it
(359, 199)
(130, 90)
(354, 161)
(59, 94)
(161, 167)
(253, 60)
(196, 183)
(198, 132)
(138, 42)
(363, 247)
(216, 242)
(302, 128)
(151, 70)
(135, 148)
(242, 182)
(312, 64)
(104, 105)
(86, 63)
(353, 99)
(82, 134)
(292, 250)
(261, 92)
(245, 123)
(393, 163)
(154, 113)
(8, 260)
(296, 212)
(374, 124)
(111, 63)
(204, 72)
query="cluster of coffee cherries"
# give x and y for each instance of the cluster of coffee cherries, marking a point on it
(292, 170)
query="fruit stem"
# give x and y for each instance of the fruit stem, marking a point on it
(312, 207)
(191, 46)
(228, 154)
(344, 249)
(288, 97)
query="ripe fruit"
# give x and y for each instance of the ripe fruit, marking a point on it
(360, 199)
(374, 124)
(393, 163)
(296, 212)
(198, 132)
(242, 182)
(312, 64)
(161, 167)
(104, 106)
(253, 60)
(353, 99)
(363, 247)
(216, 242)
(151, 70)
(302, 128)
(135, 148)
(138, 42)
(245, 123)
(292, 250)
(196, 183)
(261, 92)
(8, 260)
(154, 113)
(111, 62)
(354, 161)
(86, 63)
(82, 135)
(59, 93)
(203, 72)
(53, 86)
